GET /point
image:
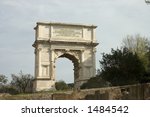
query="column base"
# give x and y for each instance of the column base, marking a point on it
(43, 85)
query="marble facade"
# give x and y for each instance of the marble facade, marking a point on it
(54, 40)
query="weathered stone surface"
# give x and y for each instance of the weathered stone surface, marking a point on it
(129, 92)
(73, 41)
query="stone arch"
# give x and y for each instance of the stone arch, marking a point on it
(56, 40)
(72, 55)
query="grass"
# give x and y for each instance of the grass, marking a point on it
(42, 95)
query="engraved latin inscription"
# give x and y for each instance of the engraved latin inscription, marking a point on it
(62, 31)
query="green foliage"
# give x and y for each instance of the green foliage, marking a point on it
(3, 79)
(122, 67)
(22, 82)
(95, 82)
(70, 85)
(61, 85)
(8, 89)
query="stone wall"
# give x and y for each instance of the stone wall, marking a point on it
(129, 92)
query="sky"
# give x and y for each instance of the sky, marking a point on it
(115, 19)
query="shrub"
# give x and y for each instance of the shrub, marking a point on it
(61, 85)
(95, 82)
(8, 89)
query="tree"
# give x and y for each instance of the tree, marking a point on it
(139, 45)
(121, 67)
(22, 82)
(3, 79)
(61, 85)
(4, 87)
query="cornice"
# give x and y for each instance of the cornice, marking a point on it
(65, 24)
(64, 42)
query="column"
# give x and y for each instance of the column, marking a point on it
(82, 64)
(52, 69)
(37, 62)
(38, 70)
(94, 61)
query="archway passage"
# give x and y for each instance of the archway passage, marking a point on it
(60, 40)
(64, 70)
(75, 64)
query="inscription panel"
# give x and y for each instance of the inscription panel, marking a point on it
(67, 32)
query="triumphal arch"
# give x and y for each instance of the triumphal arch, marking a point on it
(54, 40)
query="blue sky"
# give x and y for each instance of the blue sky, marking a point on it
(115, 19)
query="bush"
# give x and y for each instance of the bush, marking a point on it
(8, 89)
(61, 85)
(95, 82)
(70, 86)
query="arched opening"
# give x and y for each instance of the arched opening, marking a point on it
(64, 70)
(68, 70)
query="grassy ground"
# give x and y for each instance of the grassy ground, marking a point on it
(31, 96)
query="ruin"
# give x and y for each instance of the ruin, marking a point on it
(73, 41)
